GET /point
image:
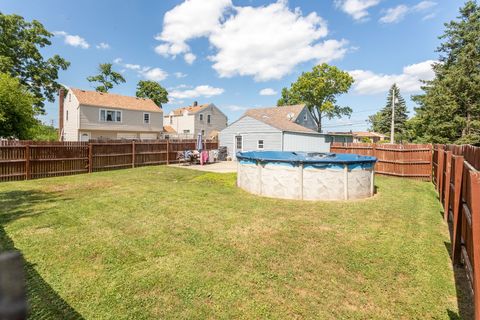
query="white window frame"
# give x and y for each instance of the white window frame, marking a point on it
(235, 142)
(114, 117)
(149, 118)
(258, 144)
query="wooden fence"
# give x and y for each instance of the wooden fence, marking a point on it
(401, 160)
(457, 180)
(20, 160)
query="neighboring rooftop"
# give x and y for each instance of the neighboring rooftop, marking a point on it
(111, 100)
(191, 109)
(169, 129)
(282, 118)
(368, 134)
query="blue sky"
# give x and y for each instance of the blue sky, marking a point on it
(239, 54)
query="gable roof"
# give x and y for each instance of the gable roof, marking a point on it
(282, 118)
(111, 100)
(190, 109)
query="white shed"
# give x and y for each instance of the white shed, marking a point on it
(286, 128)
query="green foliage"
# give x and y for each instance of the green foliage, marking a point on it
(152, 90)
(20, 57)
(106, 77)
(382, 120)
(449, 109)
(16, 113)
(43, 132)
(318, 90)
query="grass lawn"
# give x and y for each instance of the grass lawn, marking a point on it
(162, 242)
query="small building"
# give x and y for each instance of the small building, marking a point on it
(286, 128)
(86, 115)
(192, 120)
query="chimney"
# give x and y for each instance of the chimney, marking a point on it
(61, 100)
(195, 103)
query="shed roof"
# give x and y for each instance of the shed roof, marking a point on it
(111, 100)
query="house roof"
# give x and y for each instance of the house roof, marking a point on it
(190, 109)
(368, 134)
(111, 100)
(282, 118)
(169, 129)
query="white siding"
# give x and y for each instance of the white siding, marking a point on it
(218, 121)
(305, 142)
(251, 130)
(70, 126)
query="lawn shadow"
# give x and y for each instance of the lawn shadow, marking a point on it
(43, 301)
(463, 290)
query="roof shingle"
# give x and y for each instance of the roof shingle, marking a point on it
(111, 100)
(282, 118)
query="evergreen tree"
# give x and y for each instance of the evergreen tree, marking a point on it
(381, 121)
(449, 109)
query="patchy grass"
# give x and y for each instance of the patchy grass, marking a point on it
(161, 242)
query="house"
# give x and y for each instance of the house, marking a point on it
(286, 128)
(189, 121)
(359, 136)
(340, 137)
(86, 115)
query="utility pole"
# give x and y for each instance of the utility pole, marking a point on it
(392, 128)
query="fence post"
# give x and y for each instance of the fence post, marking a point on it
(448, 174)
(456, 221)
(133, 153)
(475, 190)
(168, 151)
(440, 167)
(28, 172)
(90, 158)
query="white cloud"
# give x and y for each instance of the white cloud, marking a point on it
(235, 108)
(72, 40)
(149, 73)
(179, 75)
(189, 57)
(396, 14)
(429, 16)
(358, 9)
(368, 82)
(103, 46)
(154, 74)
(265, 42)
(199, 91)
(188, 20)
(267, 92)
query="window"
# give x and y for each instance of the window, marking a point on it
(110, 115)
(238, 143)
(69, 97)
(305, 118)
(203, 133)
(208, 118)
(260, 144)
(171, 120)
(186, 131)
(146, 118)
(66, 116)
(201, 116)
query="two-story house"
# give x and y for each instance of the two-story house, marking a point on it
(206, 119)
(86, 115)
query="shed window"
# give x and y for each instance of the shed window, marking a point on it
(260, 144)
(146, 118)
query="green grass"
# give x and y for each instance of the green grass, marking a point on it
(171, 243)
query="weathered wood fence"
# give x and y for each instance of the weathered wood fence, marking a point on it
(20, 160)
(401, 160)
(457, 180)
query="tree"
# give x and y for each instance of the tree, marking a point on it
(382, 121)
(318, 90)
(152, 90)
(449, 109)
(16, 113)
(20, 42)
(106, 77)
(43, 132)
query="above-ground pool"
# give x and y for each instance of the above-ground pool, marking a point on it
(306, 176)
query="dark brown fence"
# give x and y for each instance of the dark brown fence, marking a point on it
(457, 180)
(20, 160)
(401, 160)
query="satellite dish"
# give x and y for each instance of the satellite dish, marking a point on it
(290, 116)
